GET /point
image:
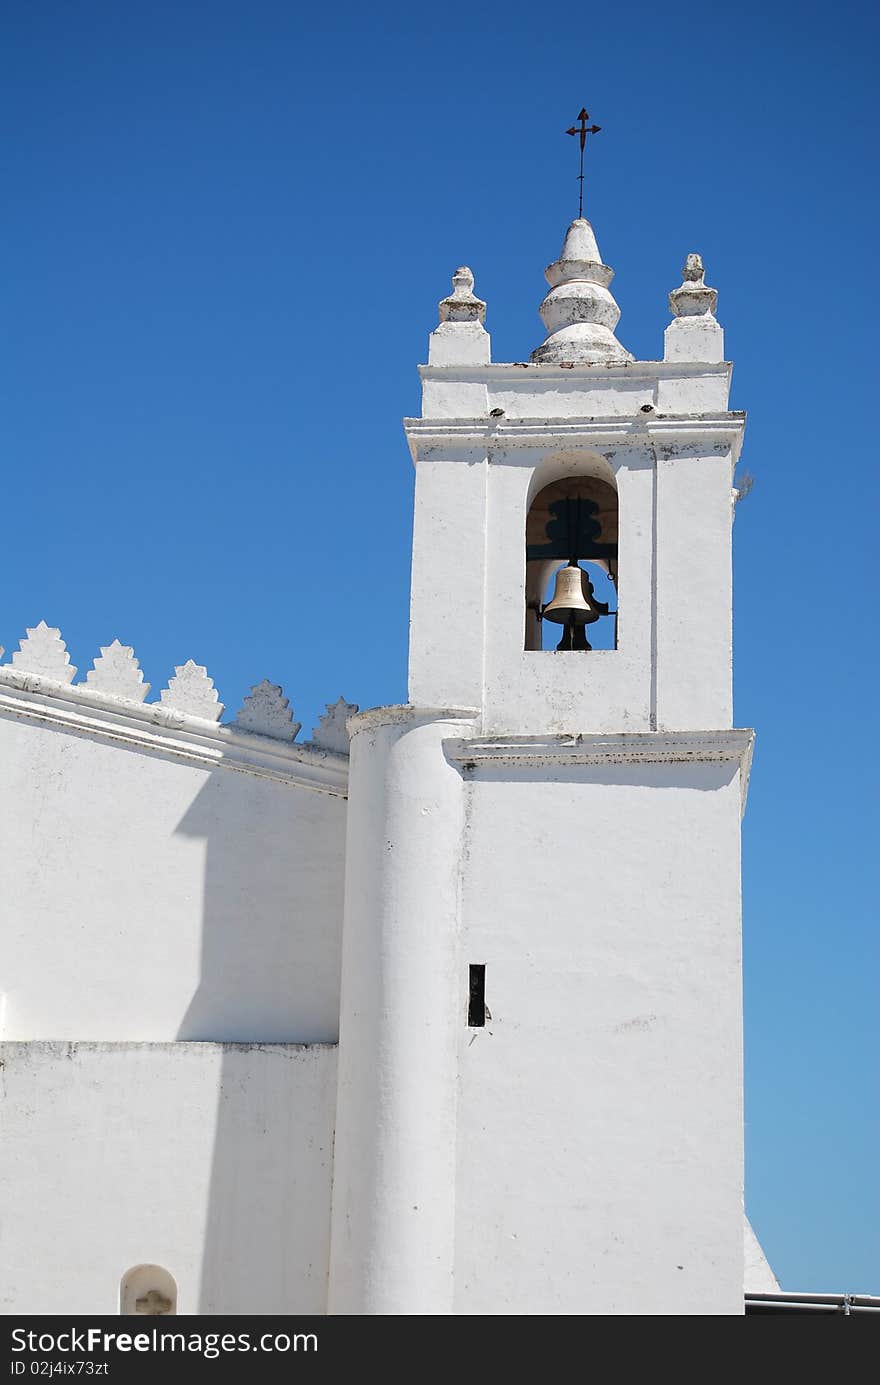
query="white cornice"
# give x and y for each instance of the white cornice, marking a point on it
(405, 714)
(588, 371)
(152, 727)
(624, 748)
(84, 711)
(658, 429)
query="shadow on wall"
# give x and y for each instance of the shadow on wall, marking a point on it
(269, 983)
(272, 911)
(705, 777)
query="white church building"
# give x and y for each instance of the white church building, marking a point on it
(438, 1011)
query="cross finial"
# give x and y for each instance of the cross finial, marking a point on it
(582, 129)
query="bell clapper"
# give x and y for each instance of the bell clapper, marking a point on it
(574, 636)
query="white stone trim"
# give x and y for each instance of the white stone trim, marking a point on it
(606, 370)
(65, 1049)
(654, 429)
(625, 748)
(398, 714)
(87, 711)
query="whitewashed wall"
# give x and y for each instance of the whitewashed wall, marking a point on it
(475, 479)
(211, 1160)
(599, 1112)
(149, 896)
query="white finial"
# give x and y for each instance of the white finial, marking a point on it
(579, 312)
(693, 334)
(462, 305)
(693, 297)
(461, 338)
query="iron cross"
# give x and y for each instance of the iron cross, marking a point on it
(583, 129)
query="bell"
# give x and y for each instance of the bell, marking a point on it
(574, 606)
(572, 602)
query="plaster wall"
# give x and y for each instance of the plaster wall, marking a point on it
(393, 1223)
(149, 898)
(448, 580)
(759, 1277)
(211, 1160)
(604, 901)
(533, 390)
(672, 668)
(694, 607)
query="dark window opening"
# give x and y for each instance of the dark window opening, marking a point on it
(477, 996)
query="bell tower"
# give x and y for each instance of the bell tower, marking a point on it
(628, 462)
(540, 1088)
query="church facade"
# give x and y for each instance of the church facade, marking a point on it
(439, 1010)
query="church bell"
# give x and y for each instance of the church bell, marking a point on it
(572, 602)
(573, 605)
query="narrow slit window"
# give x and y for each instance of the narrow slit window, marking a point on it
(477, 996)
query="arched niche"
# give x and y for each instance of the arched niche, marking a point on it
(148, 1291)
(572, 516)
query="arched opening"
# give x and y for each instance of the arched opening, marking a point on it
(148, 1291)
(572, 523)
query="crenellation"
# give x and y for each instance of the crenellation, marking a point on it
(192, 691)
(267, 712)
(42, 666)
(43, 652)
(117, 671)
(331, 732)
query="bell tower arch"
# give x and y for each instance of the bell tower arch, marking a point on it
(572, 519)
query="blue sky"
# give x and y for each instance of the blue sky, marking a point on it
(226, 228)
